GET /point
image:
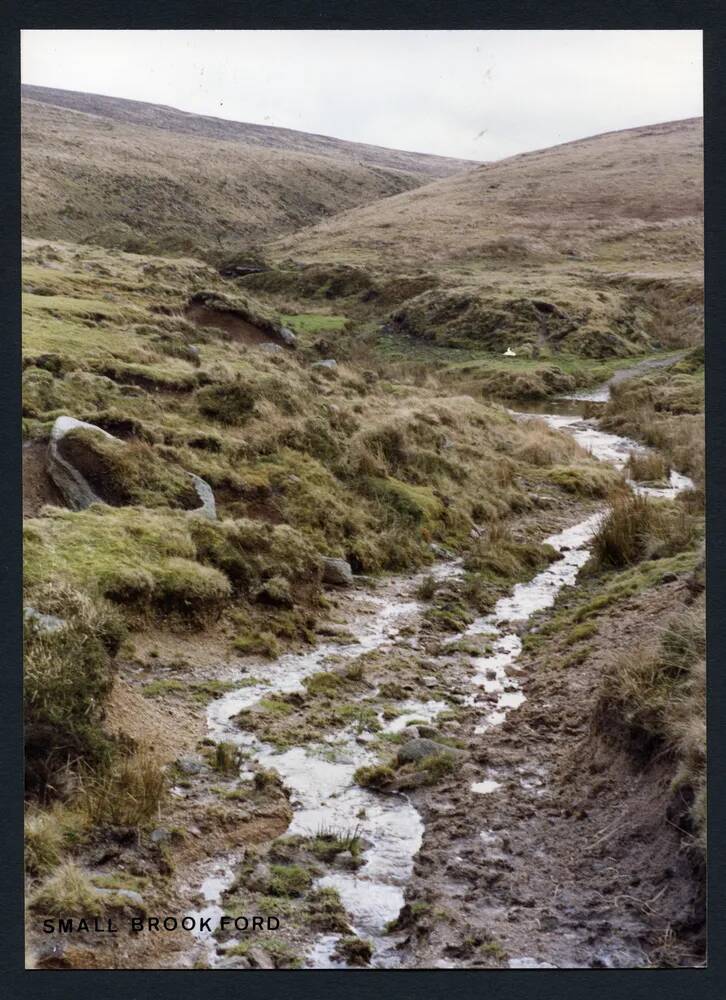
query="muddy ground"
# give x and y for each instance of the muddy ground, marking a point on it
(578, 858)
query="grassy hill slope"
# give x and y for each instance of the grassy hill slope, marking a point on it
(144, 184)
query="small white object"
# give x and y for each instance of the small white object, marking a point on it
(509, 353)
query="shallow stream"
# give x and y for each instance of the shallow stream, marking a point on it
(320, 777)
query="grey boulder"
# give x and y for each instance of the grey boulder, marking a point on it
(44, 623)
(287, 336)
(337, 572)
(415, 750)
(76, 491)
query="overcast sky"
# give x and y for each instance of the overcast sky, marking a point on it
(476, 94)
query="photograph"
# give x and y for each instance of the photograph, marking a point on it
(363, 497)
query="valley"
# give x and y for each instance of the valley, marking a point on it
(364, 512)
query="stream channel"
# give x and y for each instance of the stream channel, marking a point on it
(320, 777)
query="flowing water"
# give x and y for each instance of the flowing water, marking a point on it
(320, 777)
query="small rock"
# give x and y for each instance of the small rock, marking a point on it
(50, 955)
(337, 572)
(259, 959)
(414, 750)
(271, 348)
(441, 552)
(236, 962)
(329, 363)
(159, 836)
(430, 681)
(428, 732)
(208, 506)
(190, 764)
(134, 899)
(287, 336)
(346, 860)
(44, 623)
(259, 878)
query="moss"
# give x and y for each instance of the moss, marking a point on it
(327, 844)
(374, 776)
(289, 880)
(276, 592)
(497, 556)
(326, 912)
(436, 766)
(163, 686)
(323, 684)
(140, 559)
(199, 691)
(280, 951)
(585, 480)
(415, 503)
(121, 880)
(580, 632)
(312, 323)
(258, 644)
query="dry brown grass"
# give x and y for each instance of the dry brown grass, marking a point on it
(139, 186)
(68, 892)
(588, 198)
(637, 528)
(666, 411)
(647, 467)
(129, 792)
(655, 693)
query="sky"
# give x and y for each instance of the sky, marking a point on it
(479, 95)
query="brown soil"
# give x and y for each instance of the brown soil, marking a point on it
(584, 861)
(171, 729)
(38, 488)
(239, 329)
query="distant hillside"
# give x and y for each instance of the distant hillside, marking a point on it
(141, 177)
(594, 246)
(605, 196)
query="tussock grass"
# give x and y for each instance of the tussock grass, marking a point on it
(655, 694)
(636, 528)
(68, 676)
(43, 842)
(125, 473)
(374, 775)
(68, 892)
(497, 555)
(647, 467)
(289, 880)
(129, 792)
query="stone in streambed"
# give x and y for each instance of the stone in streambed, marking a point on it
(337, 572)
(415, 750)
